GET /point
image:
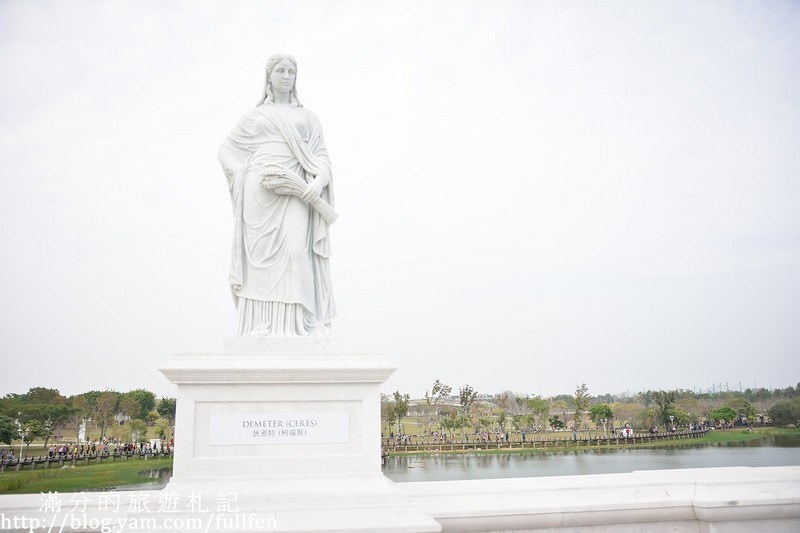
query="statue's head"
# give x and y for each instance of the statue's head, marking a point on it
(267, 95)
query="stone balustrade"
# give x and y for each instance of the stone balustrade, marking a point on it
(719, 500)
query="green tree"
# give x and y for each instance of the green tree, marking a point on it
(48, 430)
(600, 411)
(8, 429)
(504, 401)
(626, 412)
(166, 408)
(387, 410)
(32, 430)
(452, 420)
(649, 416)
(739, 403)
(581, 403)
(39, 403)
(136, 430)
(665, 400)
(144, 398)
(120, 433)
(540, 409)
(476, 410)
(520, 401)
(401, 402)
(646, 398)
(785, 413)
(689, 405)
(129, 407)
(92, 396)
(45, 396)
(682, 418)
(466, 397)
(555, 422)
(726, 414)
(501, 420)
(566, 399)
(105, 409)
(433, 403)
(80, 411)
(162, 428)
(441, 391)
(561, 405)
(12, 404)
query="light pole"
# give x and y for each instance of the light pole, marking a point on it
(671, 418)
(21, 437)
(603, 421)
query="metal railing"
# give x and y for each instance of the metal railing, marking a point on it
(70, 459)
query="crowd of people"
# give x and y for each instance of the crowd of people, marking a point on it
(436, 437)
(503, 436)
(103, 448)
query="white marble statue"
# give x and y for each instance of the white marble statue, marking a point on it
(279, 178)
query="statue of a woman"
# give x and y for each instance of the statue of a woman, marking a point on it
(279, 275)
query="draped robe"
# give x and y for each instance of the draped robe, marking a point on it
(279, 276)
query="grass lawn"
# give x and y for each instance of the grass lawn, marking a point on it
(723, 436)
(81, 478)
(729, 435)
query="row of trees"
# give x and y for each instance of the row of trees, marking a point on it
(442, 410)
(42, 413)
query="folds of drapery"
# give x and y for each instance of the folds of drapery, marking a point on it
(254, 317)
(249, 144)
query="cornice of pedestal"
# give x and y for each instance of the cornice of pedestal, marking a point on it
(279, 360)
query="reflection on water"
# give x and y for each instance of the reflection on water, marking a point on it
(780, 450)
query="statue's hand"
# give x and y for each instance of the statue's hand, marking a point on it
(313, 190)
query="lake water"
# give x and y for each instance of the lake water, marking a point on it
(780, 450)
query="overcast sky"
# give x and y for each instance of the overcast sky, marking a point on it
(532, 195)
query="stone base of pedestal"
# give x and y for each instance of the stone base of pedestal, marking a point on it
(314, 504)
(286, 432)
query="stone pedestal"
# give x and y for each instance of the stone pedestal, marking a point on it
(286, 430)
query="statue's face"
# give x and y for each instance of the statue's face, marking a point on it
(282, 76)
